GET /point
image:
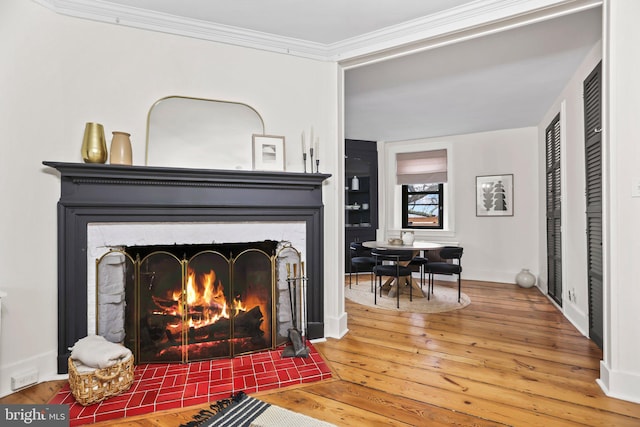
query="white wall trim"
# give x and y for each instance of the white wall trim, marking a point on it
(44, 363)
(489, 19)
(492, 15)
(624, 384)
(391, 197)
(104, 11)
(576, 316)
(609, 110)
(488, 275)
(335, 327)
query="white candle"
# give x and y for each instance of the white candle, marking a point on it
(311, 139)
(304, 147)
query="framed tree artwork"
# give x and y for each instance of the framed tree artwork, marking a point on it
(494, 195)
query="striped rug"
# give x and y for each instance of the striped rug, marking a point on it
(242, 410)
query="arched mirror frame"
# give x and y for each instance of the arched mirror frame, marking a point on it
(201, 133)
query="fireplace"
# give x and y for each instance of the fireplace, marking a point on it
(112, 194)
(186, 303)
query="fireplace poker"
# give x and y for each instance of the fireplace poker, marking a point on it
(303, 308)
(294, 309)
(291, 295)
(293, 314)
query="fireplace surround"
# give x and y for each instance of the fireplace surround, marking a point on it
(99, 193)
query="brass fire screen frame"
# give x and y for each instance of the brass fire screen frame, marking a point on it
(135, 266)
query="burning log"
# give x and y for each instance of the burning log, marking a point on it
(168, 306)
(245, 324)
(248, 323)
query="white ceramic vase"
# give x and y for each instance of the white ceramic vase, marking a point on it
(407, 238)
(525, 279)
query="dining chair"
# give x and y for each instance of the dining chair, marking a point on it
(420, 262)
(360, 260)
(394, 269)
(452, 264)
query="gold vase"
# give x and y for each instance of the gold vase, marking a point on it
(120, 153)
(94, 145)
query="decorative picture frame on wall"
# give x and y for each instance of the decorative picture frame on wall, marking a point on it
(268, 152)
(494, 195)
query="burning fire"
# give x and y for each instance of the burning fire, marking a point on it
(205, 299)
(202, 310)
(198, 317)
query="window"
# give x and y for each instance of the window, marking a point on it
(419, 194)
(422, 206)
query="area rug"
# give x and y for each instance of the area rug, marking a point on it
(444, 298)
(241, 410)
(162, 386)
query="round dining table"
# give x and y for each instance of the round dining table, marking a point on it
(417, 247)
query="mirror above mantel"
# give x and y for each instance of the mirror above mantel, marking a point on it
(201, 133)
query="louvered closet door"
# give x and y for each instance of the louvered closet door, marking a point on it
(593, 168)
(554, 235)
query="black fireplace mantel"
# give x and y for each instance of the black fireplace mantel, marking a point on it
(92, 193)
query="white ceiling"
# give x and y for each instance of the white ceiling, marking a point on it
(504, 80)
(501, 81)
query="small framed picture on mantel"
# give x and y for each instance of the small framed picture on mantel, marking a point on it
(494, 195)
(268, 152)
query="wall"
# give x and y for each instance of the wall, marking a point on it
(495, 248)
(59, 73)
(574, 243)
(620, 370)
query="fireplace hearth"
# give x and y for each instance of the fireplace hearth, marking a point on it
(97, 193)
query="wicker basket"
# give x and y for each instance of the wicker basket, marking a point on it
(95, 386)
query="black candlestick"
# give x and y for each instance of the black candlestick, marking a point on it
(317, 165)
(304, 161)
(311, 152)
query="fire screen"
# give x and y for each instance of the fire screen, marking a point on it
(209, 304)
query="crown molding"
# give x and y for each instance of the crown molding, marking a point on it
(104, 11)
(480, 18)
(472, 15)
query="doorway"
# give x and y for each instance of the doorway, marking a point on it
(554, 210)
(593, 189)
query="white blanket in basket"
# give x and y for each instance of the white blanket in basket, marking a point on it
(96, 352)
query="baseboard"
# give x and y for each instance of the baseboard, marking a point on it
(335, 327)
(44, 364)
(489, 275)
(577, 317)
(619, 385)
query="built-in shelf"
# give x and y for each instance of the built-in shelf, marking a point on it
(360, 224)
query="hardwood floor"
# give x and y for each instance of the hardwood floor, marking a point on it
(509, 358)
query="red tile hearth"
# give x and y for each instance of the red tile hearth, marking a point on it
(157, 387)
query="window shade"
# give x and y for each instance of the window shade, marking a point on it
(423, 167)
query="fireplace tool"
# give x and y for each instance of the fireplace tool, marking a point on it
(298, 313)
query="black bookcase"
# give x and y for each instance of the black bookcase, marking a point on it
(361, 203)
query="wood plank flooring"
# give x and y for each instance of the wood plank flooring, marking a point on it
(509, 358)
